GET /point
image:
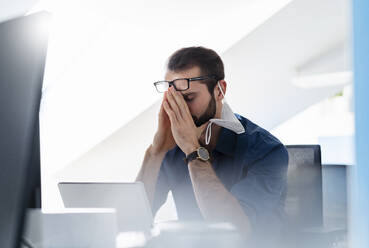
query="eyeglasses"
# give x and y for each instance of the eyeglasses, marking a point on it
(179, 84)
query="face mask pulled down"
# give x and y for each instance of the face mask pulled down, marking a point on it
(228, 120)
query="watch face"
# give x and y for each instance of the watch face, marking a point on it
(203, 153)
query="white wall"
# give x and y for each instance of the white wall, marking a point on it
(329, 122)
(260, 68)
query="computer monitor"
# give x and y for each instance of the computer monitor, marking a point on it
(23, 49)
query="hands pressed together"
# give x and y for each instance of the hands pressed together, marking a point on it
(183, 128)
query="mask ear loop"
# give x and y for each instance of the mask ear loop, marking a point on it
(208, 133)
(220, 88)
(208, 128)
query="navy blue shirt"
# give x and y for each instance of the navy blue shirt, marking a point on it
(252, 166)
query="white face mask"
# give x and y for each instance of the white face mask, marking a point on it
(228, 120)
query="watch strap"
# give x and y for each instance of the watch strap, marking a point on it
(190, 157)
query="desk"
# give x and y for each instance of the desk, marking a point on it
(98, 229)
(183, 234)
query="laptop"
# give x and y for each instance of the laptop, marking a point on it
(129, 199)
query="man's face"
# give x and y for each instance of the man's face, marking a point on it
(201, 103)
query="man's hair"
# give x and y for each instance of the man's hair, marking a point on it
(206, 59)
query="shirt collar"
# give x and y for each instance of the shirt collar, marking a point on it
(226, 143)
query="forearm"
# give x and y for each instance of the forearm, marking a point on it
(149, 172)
(216, 203)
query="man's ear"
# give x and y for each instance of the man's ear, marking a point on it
(217, 93)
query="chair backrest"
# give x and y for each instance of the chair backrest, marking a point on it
(303, 205)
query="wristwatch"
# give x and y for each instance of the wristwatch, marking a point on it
(201, 153)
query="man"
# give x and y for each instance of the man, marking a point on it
(243, 180)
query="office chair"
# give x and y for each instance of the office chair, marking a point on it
(303, 205)
(304, 201)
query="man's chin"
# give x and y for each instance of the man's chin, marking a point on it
(199, 124)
